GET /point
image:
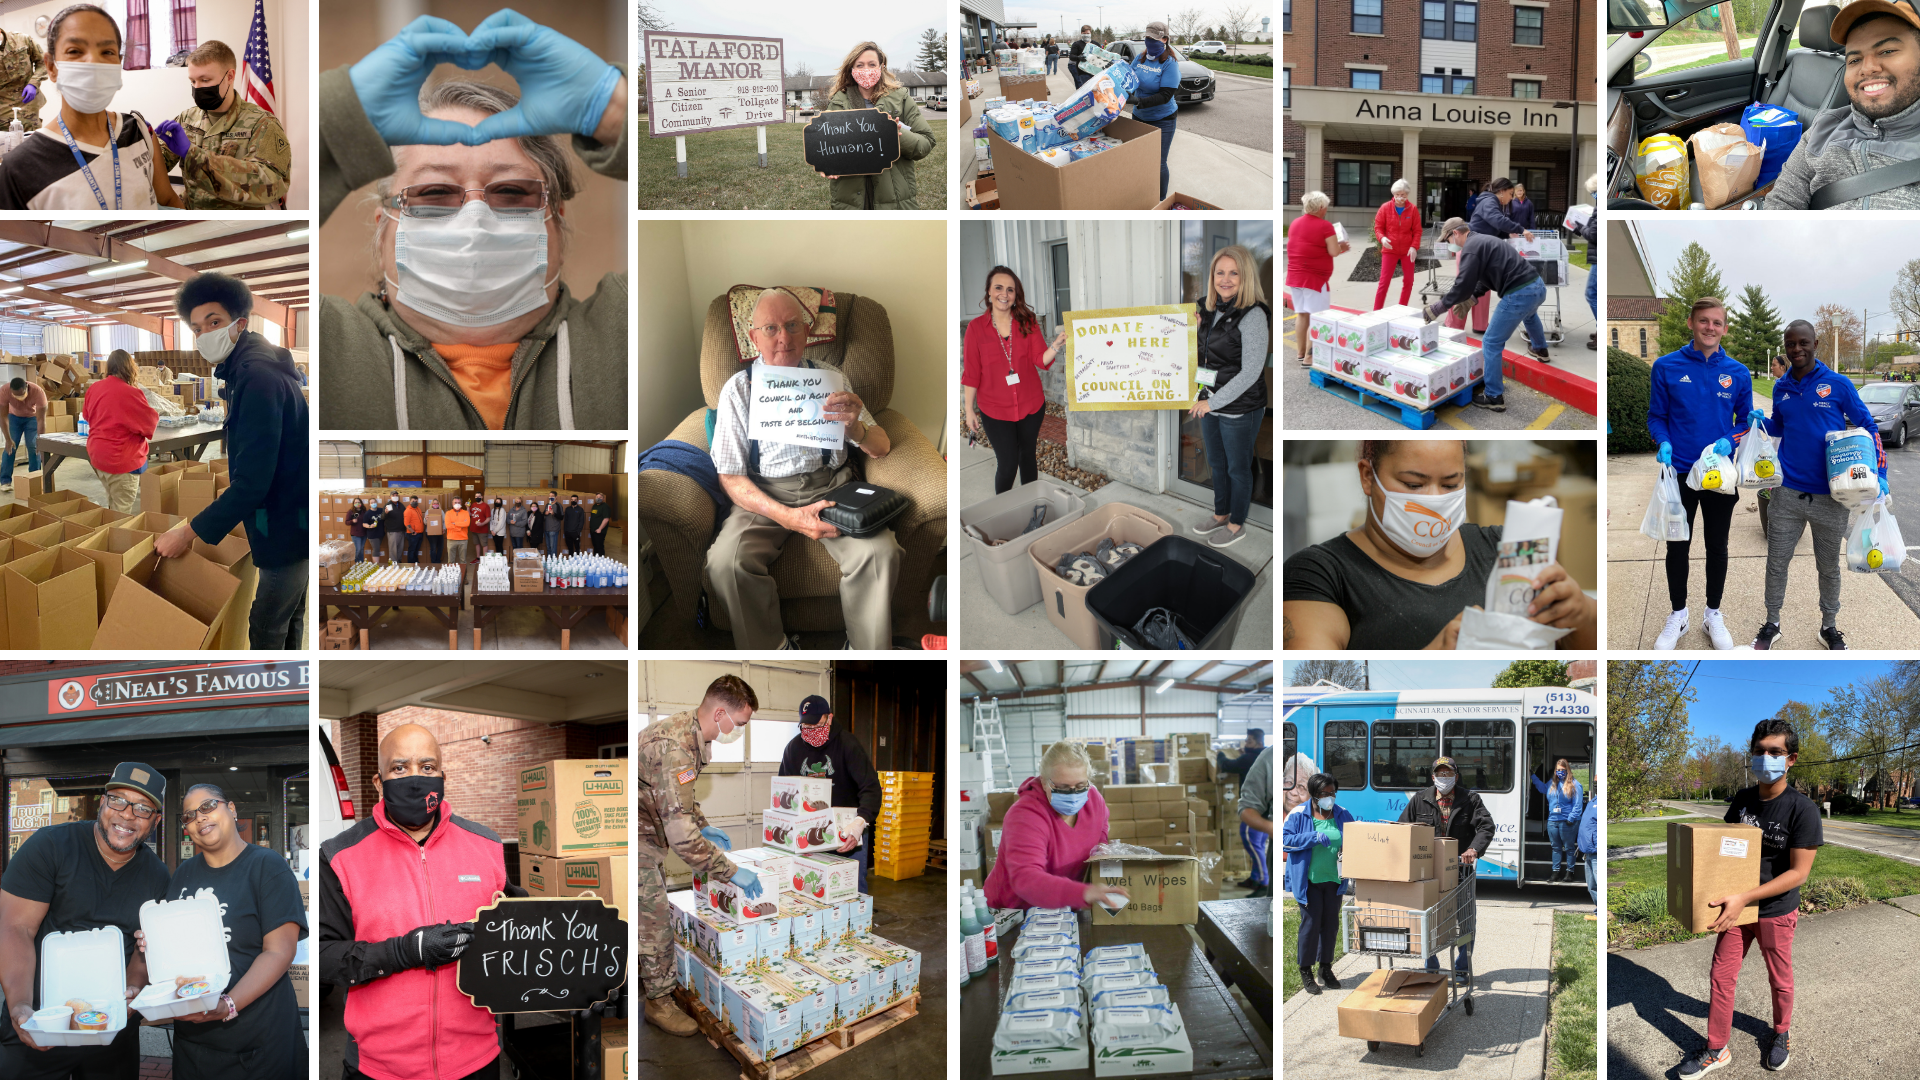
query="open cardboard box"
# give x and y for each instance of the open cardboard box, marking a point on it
(149, 521)
(184, 937)
(176, 604)
(40, 500)
(1164, 889)
(90, 965)
(1183, 199)
(1126, 177)
(50, 601)
(196, 492)
(115, 553)
(1394, 1006)
(235, 556)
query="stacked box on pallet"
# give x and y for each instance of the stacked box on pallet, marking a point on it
(1393, 353)
(900, 837)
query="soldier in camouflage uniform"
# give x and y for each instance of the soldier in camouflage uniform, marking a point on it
(239, 158)
(667, 761)
(21, 64)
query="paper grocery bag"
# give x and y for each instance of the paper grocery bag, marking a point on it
(1727, 163)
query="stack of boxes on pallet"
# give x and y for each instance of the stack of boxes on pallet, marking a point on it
(572, 821)
(1062, 1008)
(336, 634)
(906, 824)
(1399, 872)
(800, 960)
(1225, 793)
(1395, 353)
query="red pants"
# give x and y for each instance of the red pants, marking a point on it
(1389, 260)
(1776, 947)
(1479, 316)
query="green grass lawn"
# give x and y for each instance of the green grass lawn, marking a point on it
(1763, 385)
(1572, 1017)
(724, 173)
(1661, 810)
(1635, 833)
(1256, 71)
(1904, 819)
(1289, 935)
(1636, 891)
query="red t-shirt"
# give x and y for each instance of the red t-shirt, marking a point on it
(1308, 264)
(984, 364)
(119, 423)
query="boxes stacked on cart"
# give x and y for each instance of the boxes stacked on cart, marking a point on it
(1547, 254)
(1393, 352)
(1399, 873)
(901, 836)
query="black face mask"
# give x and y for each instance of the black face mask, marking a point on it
(209, 97)
(412, 801)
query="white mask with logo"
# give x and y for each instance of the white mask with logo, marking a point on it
(1420, 524)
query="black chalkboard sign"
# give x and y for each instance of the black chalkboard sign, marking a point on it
(852, 142)
(544, 954)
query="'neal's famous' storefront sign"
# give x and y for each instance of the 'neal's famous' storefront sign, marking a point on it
(186, 685)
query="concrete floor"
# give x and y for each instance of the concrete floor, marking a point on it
(984, 623)
(911, 912)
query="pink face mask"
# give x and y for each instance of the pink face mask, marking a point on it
(867, 78)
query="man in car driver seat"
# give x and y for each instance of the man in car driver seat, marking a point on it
(1880, 130)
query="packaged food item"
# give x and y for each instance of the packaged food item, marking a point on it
(1727, 162)
(1660, 171)
(1776, 131)
(90, 1020)
(192, 989)
(1758, 459)
(1714, 471)
(1874, 545)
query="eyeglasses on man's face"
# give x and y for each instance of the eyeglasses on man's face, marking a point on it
(125, 805)
(791, 328)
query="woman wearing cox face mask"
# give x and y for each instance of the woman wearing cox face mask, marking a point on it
(1402, 579)
(1566, 800)
(1049, 831)
(1158, 66)
(1311, 838)
(864, 82)
(87, 159)
(472, 325)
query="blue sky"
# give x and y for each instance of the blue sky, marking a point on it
(1735, 694)
(1455, 672)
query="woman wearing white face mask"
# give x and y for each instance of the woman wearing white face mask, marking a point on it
(865, 83)
(86, 158)
(1402, 579)
(472, 326)
(1312, 837)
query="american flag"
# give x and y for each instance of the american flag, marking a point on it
(256, 69)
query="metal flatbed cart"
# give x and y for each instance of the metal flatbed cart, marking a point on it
(1440, 279)
(1390, 934)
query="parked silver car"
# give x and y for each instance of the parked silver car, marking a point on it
(1895, 407)
(1196, 80)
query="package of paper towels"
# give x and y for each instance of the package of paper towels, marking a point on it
(1853, 472)
(1776, 131)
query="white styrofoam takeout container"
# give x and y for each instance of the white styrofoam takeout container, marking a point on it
(184, 937)
(90, 965)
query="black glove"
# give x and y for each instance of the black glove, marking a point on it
(432, 946)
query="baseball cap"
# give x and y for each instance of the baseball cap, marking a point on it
(142, 778)
(1447, 761)
(1844, 20)
(1452, 225)
(813, 708)
(1157, 30)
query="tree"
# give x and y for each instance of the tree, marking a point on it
(1647, 731)
(1186, 25)
(1869, 721)
(933, 50)
(1694, 276)
(1240, 18)
(647, 12)
(1532, 673)
(1905, 297)
(800, 70)
(1838, 327)
(1753, 332)
(1348, 673)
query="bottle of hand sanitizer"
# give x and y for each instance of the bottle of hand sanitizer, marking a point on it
(15, 131)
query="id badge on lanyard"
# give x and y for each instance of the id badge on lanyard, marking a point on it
(1006, 349)
(113, 145)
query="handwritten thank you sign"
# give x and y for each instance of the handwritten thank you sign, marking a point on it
(852, 142)
(788, 405)
(544, 954)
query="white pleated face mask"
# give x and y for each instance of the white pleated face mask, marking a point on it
(89, 88)
(474, 268)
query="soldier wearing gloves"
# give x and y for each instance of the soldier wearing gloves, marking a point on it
(236, 154)
(1490, 264)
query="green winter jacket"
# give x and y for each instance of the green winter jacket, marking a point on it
(356, 367)
(893, 189)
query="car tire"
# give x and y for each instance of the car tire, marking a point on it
(1900, 437)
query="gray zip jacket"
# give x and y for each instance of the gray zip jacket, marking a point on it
(517, 521)
(1841, 143)
(376, 372)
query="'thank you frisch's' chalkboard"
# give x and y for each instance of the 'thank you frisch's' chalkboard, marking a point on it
(852, 142)
(544, 954)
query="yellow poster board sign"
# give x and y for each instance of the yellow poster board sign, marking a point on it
(1133, 358)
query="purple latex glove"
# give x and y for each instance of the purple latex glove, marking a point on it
(28, 94)
(173, 137)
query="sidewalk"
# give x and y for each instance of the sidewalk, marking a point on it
(1657, 999)
(1505, 1037)
(1872, 615)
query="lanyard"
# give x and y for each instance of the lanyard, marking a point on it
(113, 145)
(1006, 347)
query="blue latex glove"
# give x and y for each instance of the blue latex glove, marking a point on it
(1665, 456)
(1722, 447)
(173, 137)
(564, 86)
(387, 81)
(28, 93)
(1883, 487)
(719, 839)
(747, 882)
(1756, 417)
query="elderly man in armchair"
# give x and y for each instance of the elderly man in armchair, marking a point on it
(777, 490)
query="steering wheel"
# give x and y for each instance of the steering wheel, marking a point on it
(1630, 204)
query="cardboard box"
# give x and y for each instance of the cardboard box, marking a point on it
(1358, 334)
(1126, 177)
(1386, 852)
(829, 878)
(1181, 200)
(999, 801)
(115, 553)
(983, 193)
(50, 601)
(1415, 335)
(1508, 477)
(1418, 895)
(565, 807)
(1446, 862)
(801, 832)
(1164, 890)
(1706, 861)
(1193, 770)
(800, 794)
(195, 492)
(602, 873)
(1394, 1006)
(168, 603)
(613, 1048)
(1023, 87)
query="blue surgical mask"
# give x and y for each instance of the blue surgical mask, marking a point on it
(1067, 804)
(1769, 768)
(1326, 803)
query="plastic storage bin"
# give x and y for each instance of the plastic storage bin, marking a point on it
(90, 965)
(1205, 590)
(1066, 602)
(1004, 568)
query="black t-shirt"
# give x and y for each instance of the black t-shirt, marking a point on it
(1385, 611)
(60, 866)
(1789, 820)
(258, 894)
(842, 760)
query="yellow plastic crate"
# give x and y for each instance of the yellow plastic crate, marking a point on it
(905, 776)
(892, 848)
(900, 871)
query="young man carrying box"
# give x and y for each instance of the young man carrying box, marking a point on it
(1457, 812)
(1789, 825)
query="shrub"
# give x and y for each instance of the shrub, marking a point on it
(1629, 393)
(1647, 905)
(1832, 894)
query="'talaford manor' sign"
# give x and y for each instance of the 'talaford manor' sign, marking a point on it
(712, 82)
(174, 686)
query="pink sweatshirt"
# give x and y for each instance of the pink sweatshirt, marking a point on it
(1041, 860)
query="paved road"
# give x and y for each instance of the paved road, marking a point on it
(1894, 843)
(1668, 56)
(1241, 112)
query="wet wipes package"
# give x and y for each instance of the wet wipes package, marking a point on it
(1104, 953)
(1135, 1040)
(1119, 965)
(1063, 965)
(1126, 980)
(1045, 946)
(1043, 999)
(1132, 1025)
(1138, 995)
(1021, 984)
(1029, 1028)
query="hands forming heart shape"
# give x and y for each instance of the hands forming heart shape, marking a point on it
(564, 86)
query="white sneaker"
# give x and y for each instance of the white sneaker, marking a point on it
(1717, 630)
(1675, 629)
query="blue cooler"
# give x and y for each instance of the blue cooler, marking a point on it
(1778, 128)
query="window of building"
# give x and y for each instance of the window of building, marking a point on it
(1286, 88)
(1643, 341)
(137, 56)
(1433, 84)
(1286, 16)
(186, 31)
(1613, 337)
(1362, 183)
(1363, 80)
(1534, 179)
(1526, 88)
(1347, 753)
(1466, 19)
(1444, 170)
(1463, 84)
(1286, 181)
(1403, 753)
(1482, 753)
(1433, 19)
(1528, 23)
(1366, 17)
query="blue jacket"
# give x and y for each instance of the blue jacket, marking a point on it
(1490, 218)
(1521, 210)
(672, 455)
(267, 455)
(1698, 400)
(1589, 838)
(1154, 99)
(1559, 807)
(1804, 410)
(1298, 838)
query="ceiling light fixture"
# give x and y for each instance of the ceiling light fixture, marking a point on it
(996, 666)
(114, 268)
(299, 234)
(1163, 687)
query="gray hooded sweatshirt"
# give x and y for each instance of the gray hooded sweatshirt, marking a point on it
(1841, 143)
(517, 521)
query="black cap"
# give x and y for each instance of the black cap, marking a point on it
(140, 777)
(813, 708)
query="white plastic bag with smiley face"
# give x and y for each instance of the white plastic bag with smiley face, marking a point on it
(1714, 471)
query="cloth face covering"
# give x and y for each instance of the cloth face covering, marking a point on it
(412, 801)
(89, 88)
(475, 268)
(1067, 804)
(815, 734)
(1443, 784)
(867, 79)
(209, 97)
(216, 344)
(1155, 46)
(1420, 524)
(1769, 768)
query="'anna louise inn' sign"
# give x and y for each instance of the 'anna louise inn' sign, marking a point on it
(712, 82)
(544, 954)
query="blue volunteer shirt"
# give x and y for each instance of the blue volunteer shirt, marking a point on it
(1155, 76)
(1697, 401)
(1804, 410)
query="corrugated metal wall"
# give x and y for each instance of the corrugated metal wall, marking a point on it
(342, 461)
(586, 459)
(64, 339)
(520, 464)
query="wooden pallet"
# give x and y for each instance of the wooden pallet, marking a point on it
(802, 1058)
(1393, 409)
(937, 860)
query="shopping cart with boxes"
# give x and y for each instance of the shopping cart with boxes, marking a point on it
(1390, 934)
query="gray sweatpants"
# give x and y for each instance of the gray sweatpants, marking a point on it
(1789, 512)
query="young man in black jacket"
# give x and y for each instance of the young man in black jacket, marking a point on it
(1488, 264)
(821, 752)
(1457, 812)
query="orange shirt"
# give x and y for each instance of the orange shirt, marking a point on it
(485, 374)
(415, 523)
(457, 524)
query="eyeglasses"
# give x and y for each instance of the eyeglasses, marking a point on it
(202, 811)
(1074, 789)
(791, 328)
(514, 197)
(125, 805)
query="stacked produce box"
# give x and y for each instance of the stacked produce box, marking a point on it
(1064, 1011)
(1394, 352)
(900, 837)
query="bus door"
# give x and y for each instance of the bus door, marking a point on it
(1483, 753)
(1547, 742)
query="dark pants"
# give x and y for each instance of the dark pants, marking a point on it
(489, 1071)
(599, 541)
(436, 548)
(1016, 448)
(1079, 77)
(1229, 444)
(359, 549)
(1166, 125)
(413, 547)
(19, 429)
(1563, 837)
(573, 542)
(279, 614)
(859, 855)
(1716, 514)
(1259, 847)
(118, 1060)
(1319, 923)
(1593, 885)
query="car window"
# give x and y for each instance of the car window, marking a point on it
(1882, 392)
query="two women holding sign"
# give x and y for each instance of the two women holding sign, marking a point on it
(864, 82)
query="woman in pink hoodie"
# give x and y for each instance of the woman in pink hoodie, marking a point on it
(1047, 835)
